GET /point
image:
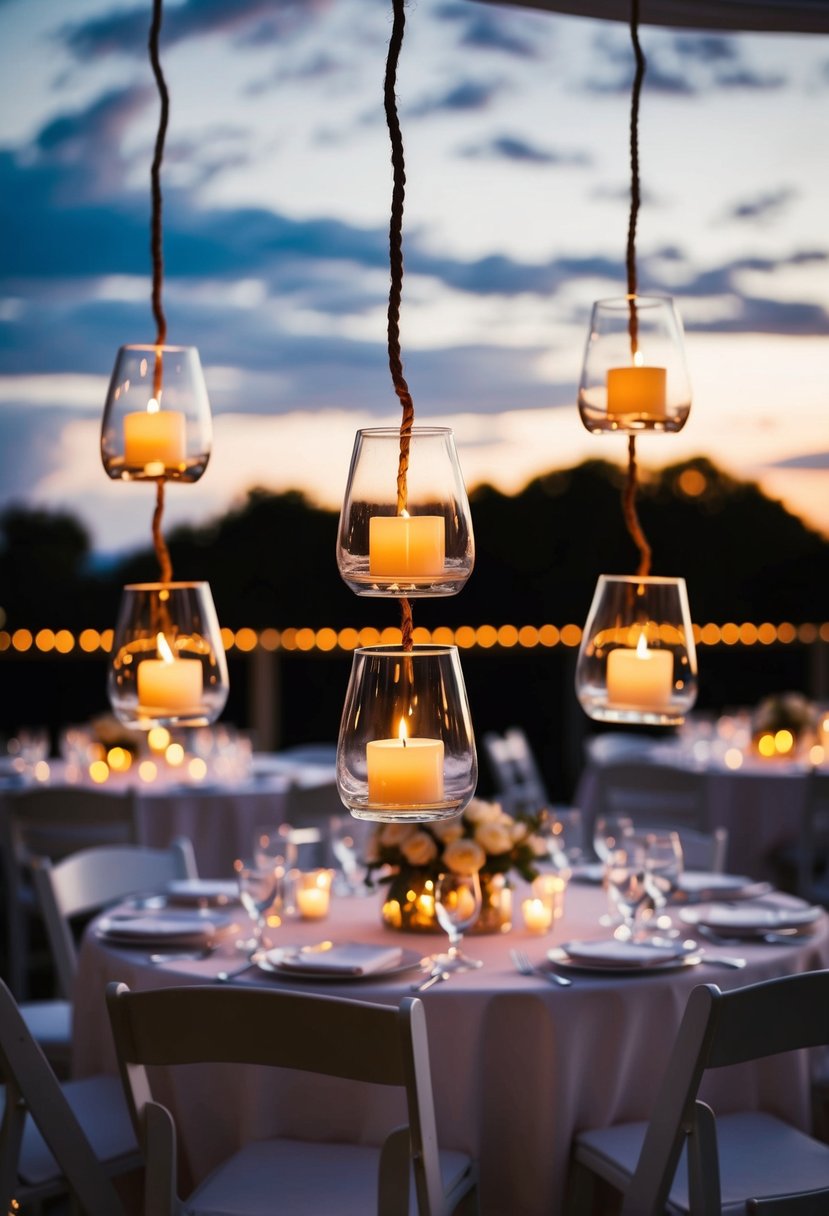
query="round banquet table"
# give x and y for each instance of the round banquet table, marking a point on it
(518, 1064)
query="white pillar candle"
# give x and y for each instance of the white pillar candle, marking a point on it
(637, 390)
(406, 546)
(155, 439)
(169, 685)
(405, 772)
(640, 678)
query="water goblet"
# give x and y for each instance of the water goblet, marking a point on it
(457, 907)
(626, 889)
(352, 873)
(258, 889)
(609, 832)
(565, 838)
(663, 867)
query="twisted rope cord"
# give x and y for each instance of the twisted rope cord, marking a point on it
(156, 249)
(396, 282)
(629, 493)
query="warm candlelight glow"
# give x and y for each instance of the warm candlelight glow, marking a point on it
(403, 771)
(169, 685)
(406, 547)
(640, 678)
(637, 390)
(155, 439)
(538, 917)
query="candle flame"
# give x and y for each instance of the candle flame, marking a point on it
(164, 648)
(153, 406)
(402, 732)
(404, 514)
(638, 359)
(642, 651)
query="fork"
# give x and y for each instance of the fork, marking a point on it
(523, 964)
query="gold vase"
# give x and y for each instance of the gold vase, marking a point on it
(409, 903)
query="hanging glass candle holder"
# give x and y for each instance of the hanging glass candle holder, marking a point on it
(412, 542)
(637, 662)
(406, 750)
(634, 377)
(168, 663)
(157, 416)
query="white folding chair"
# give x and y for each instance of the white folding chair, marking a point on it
(687, 1161)
(86, 882)
(57, 1138)
(518, 781)
(332, 1036)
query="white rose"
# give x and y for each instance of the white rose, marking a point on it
(419, 849)
(493, 837)
(463, 856)
(518, 831)
(479, 811)
(539, 846)
(392, 834)
(447, 829)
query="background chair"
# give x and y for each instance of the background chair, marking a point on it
(336, 1037)
(88, 881)
(56, 1138)
(518, 781)
(686, 1159)
(661, 796)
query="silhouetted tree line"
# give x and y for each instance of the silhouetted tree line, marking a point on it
(271, 561)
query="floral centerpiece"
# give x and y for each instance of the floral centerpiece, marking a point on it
(484, 839)
(782, 722)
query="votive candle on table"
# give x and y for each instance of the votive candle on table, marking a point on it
(403, 771)
(538, 915)
(642, 678)
(637, 390)
(155, 439)
(550, 889)
(406, 546)
(168, 684)
(313, 893)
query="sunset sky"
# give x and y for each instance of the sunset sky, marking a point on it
(277, 185)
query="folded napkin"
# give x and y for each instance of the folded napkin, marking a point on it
(701, 886)
(612, 953)
(177, 926)
(199, 891)
(348, 958)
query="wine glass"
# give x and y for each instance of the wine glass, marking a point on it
(663, 866)
(258, 889)
(274, 848)
(564, 841)
(609, 832)
(457, 907)
(342, 835)
(626, 889)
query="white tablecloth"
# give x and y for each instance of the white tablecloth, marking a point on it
(518, 1065)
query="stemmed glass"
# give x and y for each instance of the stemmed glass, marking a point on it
(258, 889)
(663, 866)
(626, 887)
(457, 907)
(341, 832)
(609, 832)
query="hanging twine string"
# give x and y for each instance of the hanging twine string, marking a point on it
(396, 283)
(162, 552)
(629, 493)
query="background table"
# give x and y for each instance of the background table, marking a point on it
(518, 1065)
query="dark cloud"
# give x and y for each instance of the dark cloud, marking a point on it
(85, 145)
(30, 447)
(125, 32)
(705, 48)
(764, 207)
(745, 78)
(490, 31)
(467, 95)
(811, 460)
(514, 148)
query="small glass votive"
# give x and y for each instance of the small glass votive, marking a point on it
(312, 893)
(538, 915)
(551, 889)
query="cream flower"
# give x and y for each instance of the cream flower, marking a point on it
(419, 849)
(479, 811)
(494, 838)
(463, 856)
(392, 834)
(447, 829)
(538, 845)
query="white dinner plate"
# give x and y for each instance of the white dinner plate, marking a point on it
(602, 958)
(752, 920)
(702, 886)
(199, 892)
(164, 929)
(273, 963)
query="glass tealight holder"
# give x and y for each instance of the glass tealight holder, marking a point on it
(157, 422)
(420, 545)
(637, 662)
(312, 893)
(634, 377)
(406, 751)
(168, 663)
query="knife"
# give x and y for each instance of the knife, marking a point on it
(434, 978)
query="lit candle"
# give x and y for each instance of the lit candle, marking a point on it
(169, 685)
(405, 772)
(640, 678)
(637, 390)
(537, 915)
(155, 439)
(312, 903)
(406, 546)
(550, 889)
